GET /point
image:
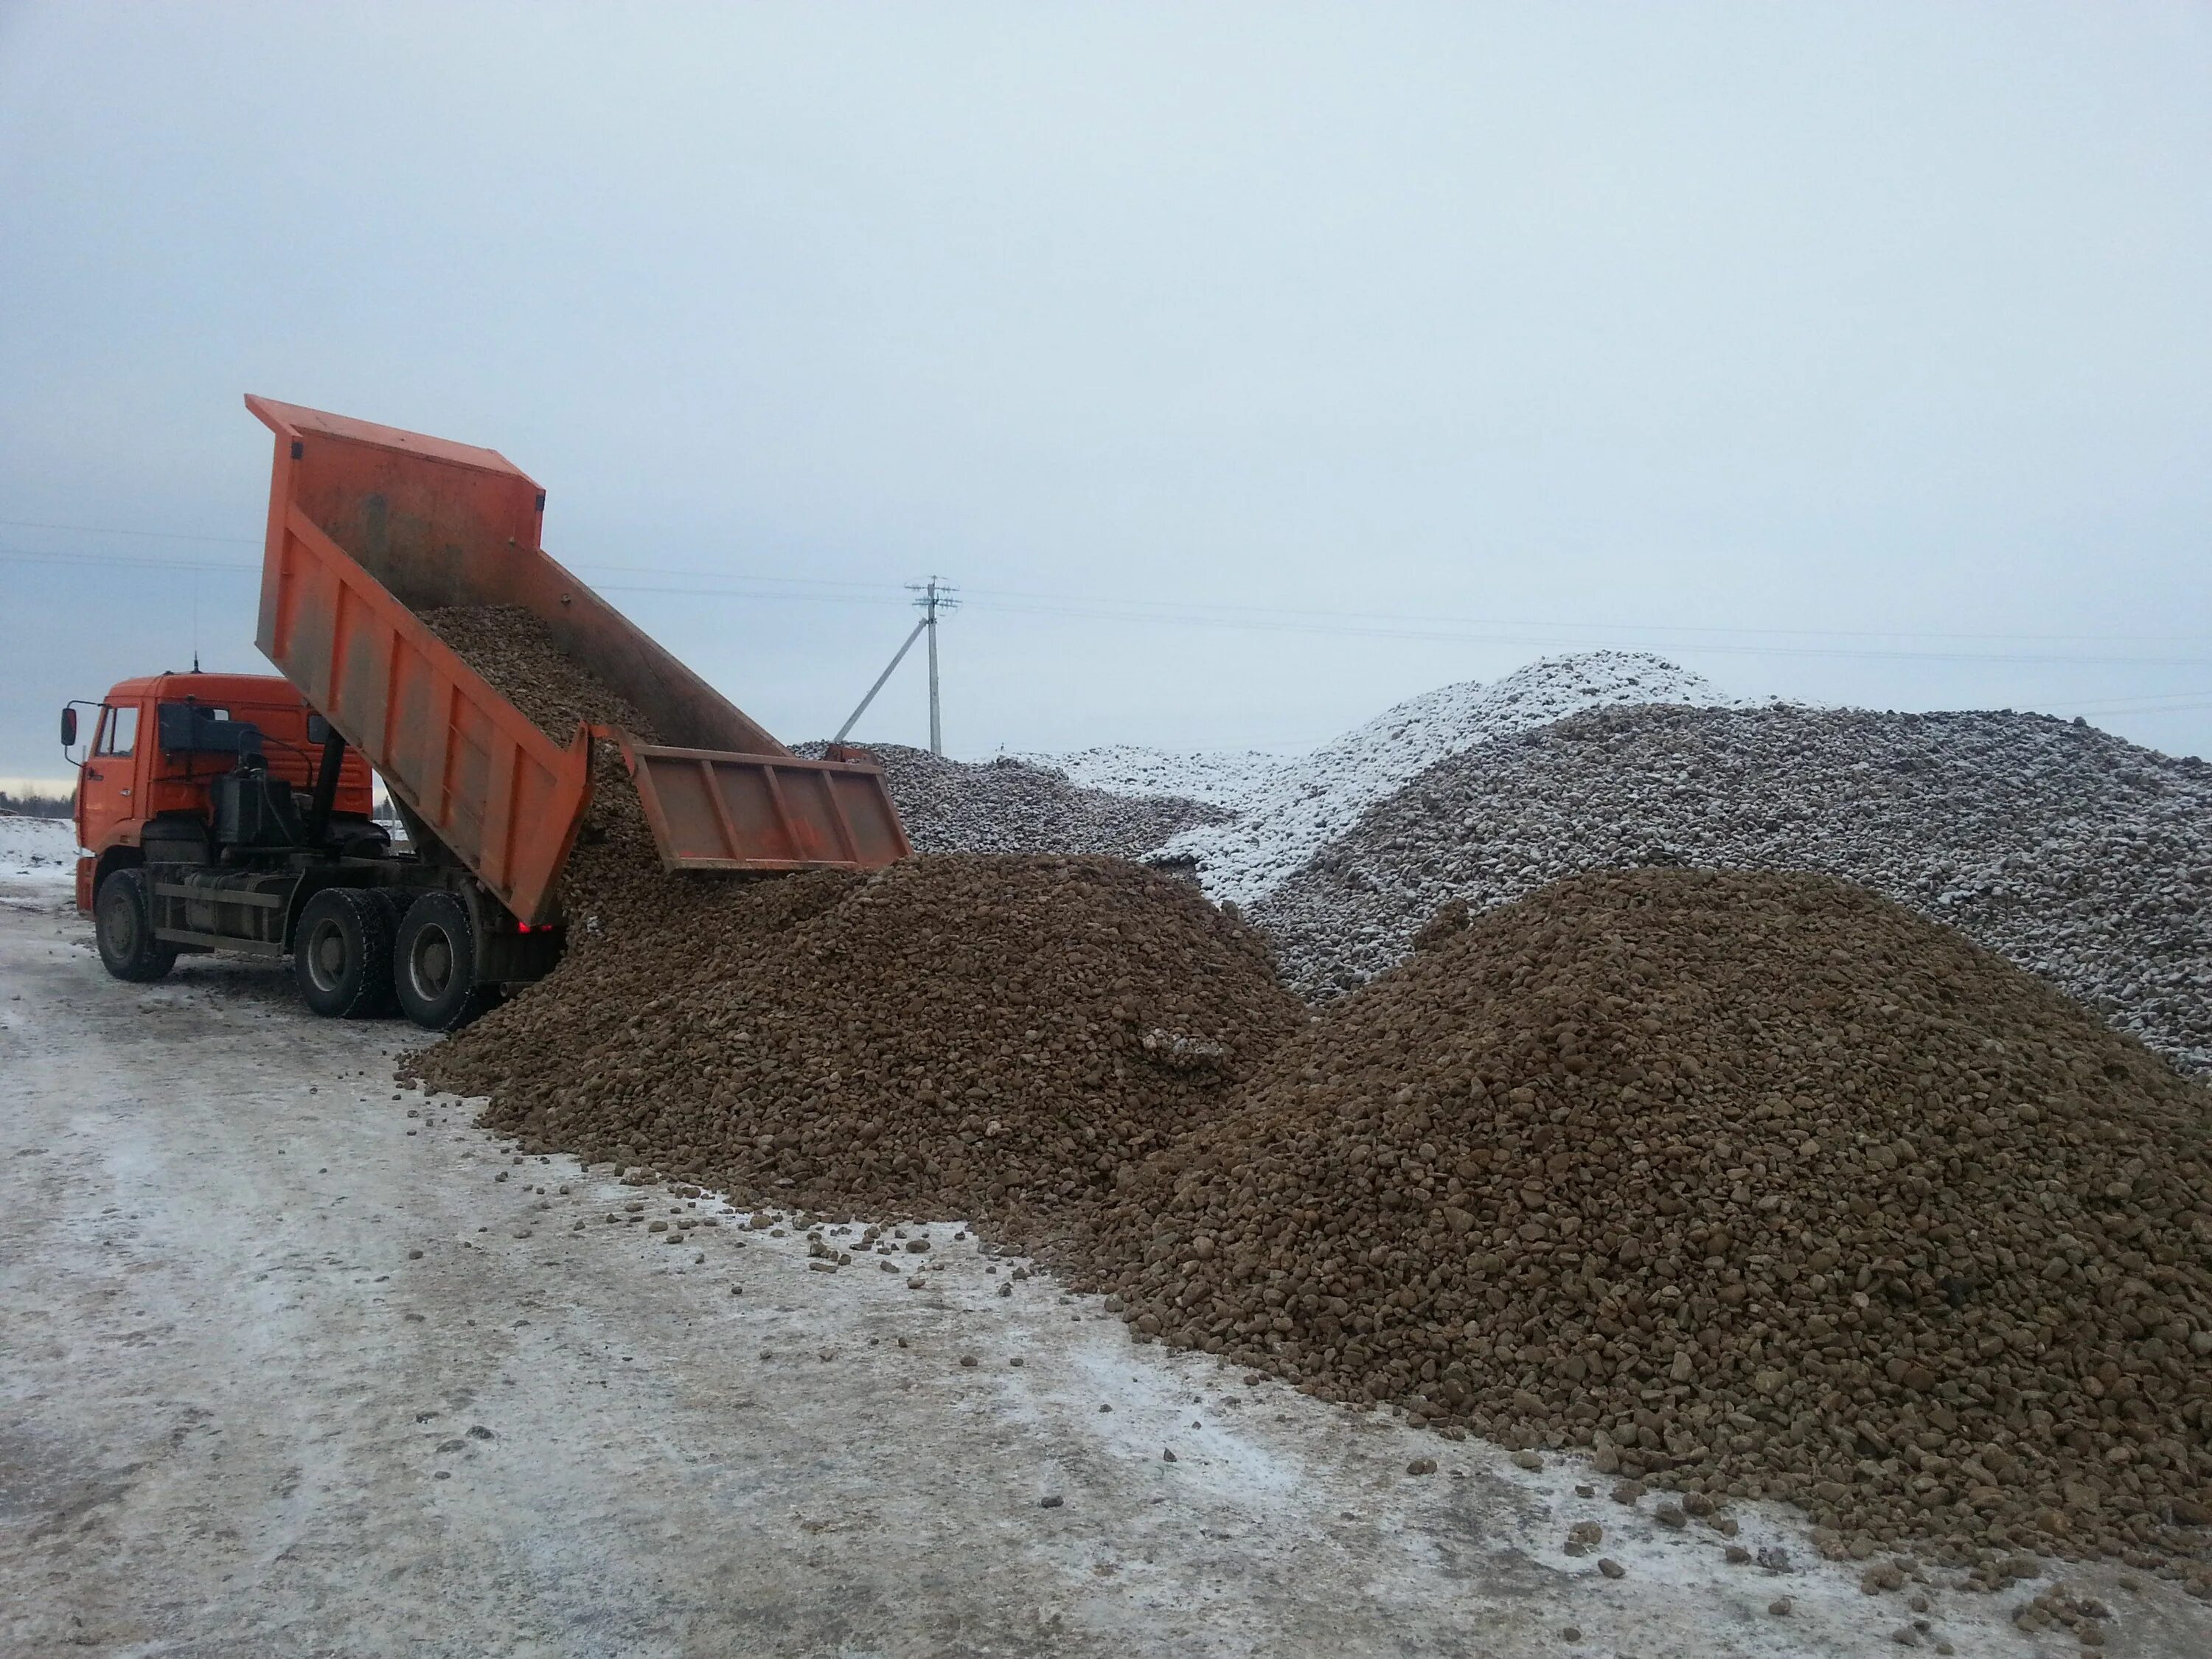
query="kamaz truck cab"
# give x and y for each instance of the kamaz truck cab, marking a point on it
(211, 808)
(221, 813)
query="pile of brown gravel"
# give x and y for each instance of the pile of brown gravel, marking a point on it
(1752, 1185)
(1755, 1185)
(986, 1036)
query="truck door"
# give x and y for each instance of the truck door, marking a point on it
(109, 782)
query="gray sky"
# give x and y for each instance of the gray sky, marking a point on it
(1859, 352)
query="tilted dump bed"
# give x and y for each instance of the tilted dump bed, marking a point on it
(367, 526)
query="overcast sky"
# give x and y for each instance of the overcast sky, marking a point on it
(1249, 369)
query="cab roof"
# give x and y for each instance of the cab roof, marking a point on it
(263, 688)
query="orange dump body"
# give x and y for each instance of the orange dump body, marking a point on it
(368, 525)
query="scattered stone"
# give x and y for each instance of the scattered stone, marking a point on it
(1611, 1568)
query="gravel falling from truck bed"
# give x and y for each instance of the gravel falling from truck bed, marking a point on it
(971, 1035)
(1753, 1184)
(515, 650)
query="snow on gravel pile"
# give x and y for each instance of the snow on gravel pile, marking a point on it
(1319, 796)
(1228, 777)
(2077, 855)
(1009, 805)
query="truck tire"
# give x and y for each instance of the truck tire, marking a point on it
(123, 922)
(342, 954)
(434, 967)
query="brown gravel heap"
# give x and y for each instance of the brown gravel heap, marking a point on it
(980, 1036)
(966, 1035)
(1755, 1184)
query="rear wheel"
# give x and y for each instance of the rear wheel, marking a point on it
(342, 954)
(122, 922)
(433, 968)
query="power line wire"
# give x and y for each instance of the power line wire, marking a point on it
(1179, 607)
(111, 530)
(1193, 607)
(1259, 619)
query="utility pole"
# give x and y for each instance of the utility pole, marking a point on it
(930, 598)
(933, 596)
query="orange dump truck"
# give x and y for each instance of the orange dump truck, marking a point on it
(224, 811)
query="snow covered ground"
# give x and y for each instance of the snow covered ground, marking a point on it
(1288, 808)
(37, 853)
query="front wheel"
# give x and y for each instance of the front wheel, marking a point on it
(342, 954)
(123, 922)
(434, 967)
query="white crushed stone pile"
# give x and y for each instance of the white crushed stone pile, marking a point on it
(2074, 854)
(1304, 805)
(1226, 777)
(1009, 805)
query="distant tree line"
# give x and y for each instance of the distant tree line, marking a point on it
(33, 806)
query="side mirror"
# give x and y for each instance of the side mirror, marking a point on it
(69, 727)
(319, 730)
